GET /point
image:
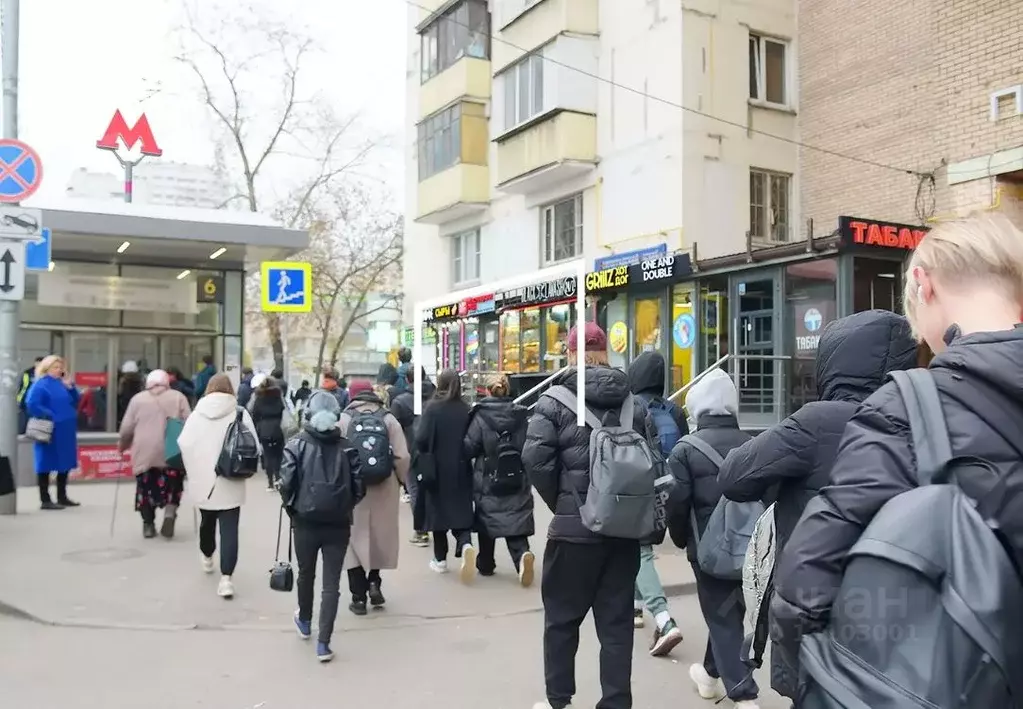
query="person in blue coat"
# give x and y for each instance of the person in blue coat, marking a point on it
(54, 397)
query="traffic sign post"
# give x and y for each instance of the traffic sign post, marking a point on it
(21, 171)
(286, 287)
(12, 270)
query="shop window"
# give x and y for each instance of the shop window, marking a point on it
(646, 325)
(713, 321)
(768, 74)
(684, 332)
(558, 321)
(877, 284)
(462, 31)
(489, 348)
(465, 257)
(511, 359)
(454, 347)
(769, 205)
(523, 90)
(563, 230)
(529, 325)
(810, 305)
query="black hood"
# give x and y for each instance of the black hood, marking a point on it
(331, 436)
(387, 374)
(994, 357)
(855, 354)
(646, 374)
(606, 388)
(502, 411)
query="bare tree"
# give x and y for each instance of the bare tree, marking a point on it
(356, 255)
(249, 74)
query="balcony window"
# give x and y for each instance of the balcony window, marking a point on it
(440, 141)
(523, 91)
(462, 31)
(465, 251)
(768, 78)
(563, 230)
(769, 205)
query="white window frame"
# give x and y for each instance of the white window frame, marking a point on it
(524, 94)
(775, 230)
(549, 229)
(758, 70)
(465, 257)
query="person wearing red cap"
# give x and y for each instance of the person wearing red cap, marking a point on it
(582, 571)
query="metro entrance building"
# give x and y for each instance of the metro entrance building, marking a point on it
(159, 286)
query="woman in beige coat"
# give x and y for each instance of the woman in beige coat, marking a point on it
(219, 499)
(143, 432)
(374, 541)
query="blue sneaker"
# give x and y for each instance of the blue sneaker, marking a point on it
(323, 652)
(304, 628)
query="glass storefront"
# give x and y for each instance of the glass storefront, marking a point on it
(811, 303)
(535, 339)
(877, 283)
(714, 329)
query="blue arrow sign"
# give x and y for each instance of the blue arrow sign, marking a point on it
(39, 253)
(286, 287)
(21, 170)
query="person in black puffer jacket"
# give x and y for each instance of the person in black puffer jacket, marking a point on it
(964, 297)
(789, 463)
(267, 413)
(714, 404)
(582, 571)
(665, 424)
(403, 408)
(508, 515)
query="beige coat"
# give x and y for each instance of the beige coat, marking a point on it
(201, 441)
(145, 425)
(375, 537)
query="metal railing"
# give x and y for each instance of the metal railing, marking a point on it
(538, 387)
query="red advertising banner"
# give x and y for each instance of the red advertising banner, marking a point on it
(102, 463)
(90, 379)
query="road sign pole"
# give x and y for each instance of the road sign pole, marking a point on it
(10, 310)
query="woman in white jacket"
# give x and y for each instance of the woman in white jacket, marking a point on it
(219, 499)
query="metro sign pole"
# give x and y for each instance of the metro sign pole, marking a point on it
(139, 133)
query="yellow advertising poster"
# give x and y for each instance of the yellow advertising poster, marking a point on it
(618, 336)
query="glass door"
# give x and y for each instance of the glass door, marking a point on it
(756, 299)
(88, 362)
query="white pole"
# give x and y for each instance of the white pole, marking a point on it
(580, 343)
(417, 360)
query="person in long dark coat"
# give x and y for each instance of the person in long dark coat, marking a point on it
(448, 500)
(500, 516)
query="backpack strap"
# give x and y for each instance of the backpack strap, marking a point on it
(705, 448)
(926, 422)
(567, 397)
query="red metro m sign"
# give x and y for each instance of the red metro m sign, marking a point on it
(139, 133)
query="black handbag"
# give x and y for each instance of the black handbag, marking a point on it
(426, 461)
(282, 577)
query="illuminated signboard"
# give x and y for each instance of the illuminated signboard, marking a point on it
(887, 235)
(444, 311)
(617, 277)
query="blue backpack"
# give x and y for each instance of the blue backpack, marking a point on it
(665, 426)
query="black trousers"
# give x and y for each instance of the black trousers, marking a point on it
(228, 521)
(578, 578)
(43, 479)
(486, 546)
(273, 455)
(311, 541)
(440, 543)
(359, 581)
(723, 609)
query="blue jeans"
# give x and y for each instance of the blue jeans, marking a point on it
(648, 584)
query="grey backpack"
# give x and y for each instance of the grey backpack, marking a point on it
(620, 501)
(721, 550)
(930, 606)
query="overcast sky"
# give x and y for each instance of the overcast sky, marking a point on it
(82, 59)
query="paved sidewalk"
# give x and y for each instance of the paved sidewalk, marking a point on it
(65, 568)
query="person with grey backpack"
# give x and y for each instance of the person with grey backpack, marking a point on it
(715, 534)
(592, 554)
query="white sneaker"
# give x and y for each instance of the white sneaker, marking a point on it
(706, 686)
(207, 564)
(467, 573)
(526, 569)
(747, 704)
(225, 589)
(439, 567)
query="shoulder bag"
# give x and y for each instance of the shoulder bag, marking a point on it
(282, 577)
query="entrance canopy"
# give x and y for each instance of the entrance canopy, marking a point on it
(180, 237)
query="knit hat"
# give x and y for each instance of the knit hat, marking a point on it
(359, 386)
(595, 339)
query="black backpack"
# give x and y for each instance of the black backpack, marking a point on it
(503, 472)
(369, 436)
(326, 495)
(239, 456)
(930, 606)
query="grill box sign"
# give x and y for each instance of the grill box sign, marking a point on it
(617, 277)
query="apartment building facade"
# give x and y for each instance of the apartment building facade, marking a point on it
(543, 131)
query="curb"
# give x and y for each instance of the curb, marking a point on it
(671, 590)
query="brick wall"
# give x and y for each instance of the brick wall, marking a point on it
(905, 84)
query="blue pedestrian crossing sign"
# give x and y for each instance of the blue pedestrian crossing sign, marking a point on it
(38, 253)
(286, 287)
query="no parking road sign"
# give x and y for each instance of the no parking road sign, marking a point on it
(286, 287)
(21, 171)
